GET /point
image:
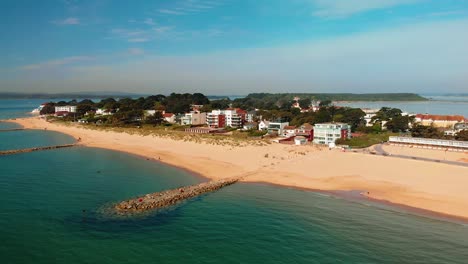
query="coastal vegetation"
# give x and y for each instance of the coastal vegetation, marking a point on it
(366, 140)
(132, 116)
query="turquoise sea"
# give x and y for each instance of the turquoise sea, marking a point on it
(43, 195)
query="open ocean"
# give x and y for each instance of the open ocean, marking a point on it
(43, 195)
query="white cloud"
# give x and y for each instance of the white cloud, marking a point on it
(68, 21)
(346, 8)
(419, 58)
(170, 12)
(138, 40)
(57, 62)
(426, 57)
(190, 6)
(149, 21)
(136, 51)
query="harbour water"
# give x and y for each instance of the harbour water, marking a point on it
(53, 203)
(437, 105)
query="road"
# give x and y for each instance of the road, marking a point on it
(380, 151)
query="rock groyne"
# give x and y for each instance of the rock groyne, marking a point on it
(171, 197)
(11, 129)
(17, 151)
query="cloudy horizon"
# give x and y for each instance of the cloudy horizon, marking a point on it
(235, 47)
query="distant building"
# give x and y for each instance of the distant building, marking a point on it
(370, 113)
(445, 121)
(328, 133)
(169, 117)
(226, 118)
(66, 108)
(193, 118)
(150, 112)
(277, 128)
(250, 125)
(289, 131)
(102, 111)
(62, 113)
(456, 129)
(263, 125)
(306, 130)
(300, 140)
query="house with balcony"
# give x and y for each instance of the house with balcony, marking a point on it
(328, 133)
(193, 118)
(226, 118)
(66, 108)
(277, 128)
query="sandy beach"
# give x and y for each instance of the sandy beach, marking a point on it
(435, 187)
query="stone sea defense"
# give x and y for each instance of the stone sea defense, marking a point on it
(171, 197)
(17, 151)
(11, 129)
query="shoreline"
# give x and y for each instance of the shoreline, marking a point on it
(386, 193)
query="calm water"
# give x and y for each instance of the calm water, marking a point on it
(439, 105)
(42, 195)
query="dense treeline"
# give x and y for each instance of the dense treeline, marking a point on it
(269, 107)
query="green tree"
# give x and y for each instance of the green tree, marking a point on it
(155, 119)
(325, 103)
(48, 109)
(426, 132)
(462, 135)
(399, 124)
(305, 103)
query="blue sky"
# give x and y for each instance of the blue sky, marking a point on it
(234, 46)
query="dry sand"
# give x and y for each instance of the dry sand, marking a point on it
(436, 187)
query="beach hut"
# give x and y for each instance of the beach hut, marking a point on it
(300, 140)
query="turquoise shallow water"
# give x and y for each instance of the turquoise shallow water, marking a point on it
(42, 195)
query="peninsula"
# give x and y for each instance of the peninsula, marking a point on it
(436, 187)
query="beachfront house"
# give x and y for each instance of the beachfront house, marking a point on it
(66, 108)
(169, 117)
(104, 112)
(306, 130)
(193, 119)
(277, 128)
(456, 129)
(443, 121)
(300, 140)
(289, 131)
(328, 133)
(370, 113)
(250, 126)
(226, 118)
(263, 125)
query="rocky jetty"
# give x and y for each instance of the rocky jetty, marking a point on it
(171, 197)
(17, 151)
(12, 129)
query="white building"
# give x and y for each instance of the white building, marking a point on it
(225, 118)
(328, 133)
(263, 125)
(289, 131)
(277, 128)
(102, 111)
(370, 113)
(169, 117)
(193, 118)
(66, 108)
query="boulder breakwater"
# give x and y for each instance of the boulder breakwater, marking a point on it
(17, 151)
(12, 129)
(171, 197)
